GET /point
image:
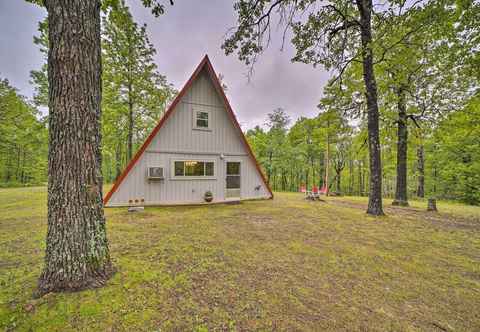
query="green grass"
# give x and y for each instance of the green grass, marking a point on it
(282, 264)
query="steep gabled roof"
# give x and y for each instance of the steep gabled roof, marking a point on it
(205, 63)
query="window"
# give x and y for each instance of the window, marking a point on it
(193, 168)
(201, 119)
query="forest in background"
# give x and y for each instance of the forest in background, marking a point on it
(135, 96)
(427, 91)
(445, 163)
(427, 69)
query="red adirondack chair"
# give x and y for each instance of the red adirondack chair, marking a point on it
(313, 194)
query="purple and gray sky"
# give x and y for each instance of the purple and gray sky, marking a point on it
(188, 31)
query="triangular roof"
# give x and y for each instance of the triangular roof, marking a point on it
(205, 63)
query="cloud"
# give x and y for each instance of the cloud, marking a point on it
(188, 31)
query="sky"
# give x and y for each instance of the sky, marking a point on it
(189, 30)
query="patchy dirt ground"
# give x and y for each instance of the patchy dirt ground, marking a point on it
(276, 265)
(441, 219)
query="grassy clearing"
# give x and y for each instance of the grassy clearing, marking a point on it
(284, 264)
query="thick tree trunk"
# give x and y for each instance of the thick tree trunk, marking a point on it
(402, 146)
(77, 255)
(375, 192)
(421, 171)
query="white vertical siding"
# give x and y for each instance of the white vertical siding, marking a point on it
(178, 140)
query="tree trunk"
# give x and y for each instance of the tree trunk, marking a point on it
(306, 178)
(77, 255)
(22, 174)
(350, 178)
(375, 192)
(339, 182)
(313, 172)
(269, 168)
(130, 124)
(421, 171)
(327, 160)
(8, 167)
(118, 160)
(402, 146)
(17, 167)
(360, 178)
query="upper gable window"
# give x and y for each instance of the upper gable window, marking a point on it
(201, 119)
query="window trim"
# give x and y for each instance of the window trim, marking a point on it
(193, 177)
(194, 119)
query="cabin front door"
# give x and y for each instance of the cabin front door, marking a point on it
(232, 180)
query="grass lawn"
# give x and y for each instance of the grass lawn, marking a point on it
(282, 264)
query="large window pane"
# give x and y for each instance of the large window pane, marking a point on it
(233, 168)
(199, 169)
(194, 168)
(202, 115)
(209, 168)
(202, 123)
(179, 168)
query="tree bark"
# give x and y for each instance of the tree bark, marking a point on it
(77, 254)
(421, 171)
(375, 192)
(402, 146)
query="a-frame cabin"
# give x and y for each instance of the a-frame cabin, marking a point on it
(197, 147)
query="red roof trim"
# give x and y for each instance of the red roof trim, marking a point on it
(205, 62)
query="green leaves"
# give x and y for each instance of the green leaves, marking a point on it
(135, 95)
(156, 7)
(23, 139)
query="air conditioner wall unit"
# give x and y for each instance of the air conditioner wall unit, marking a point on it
(155, 173)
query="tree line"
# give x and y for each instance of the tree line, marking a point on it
(444, 163)
(134, 97)
(23, 139)
(403, 72)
